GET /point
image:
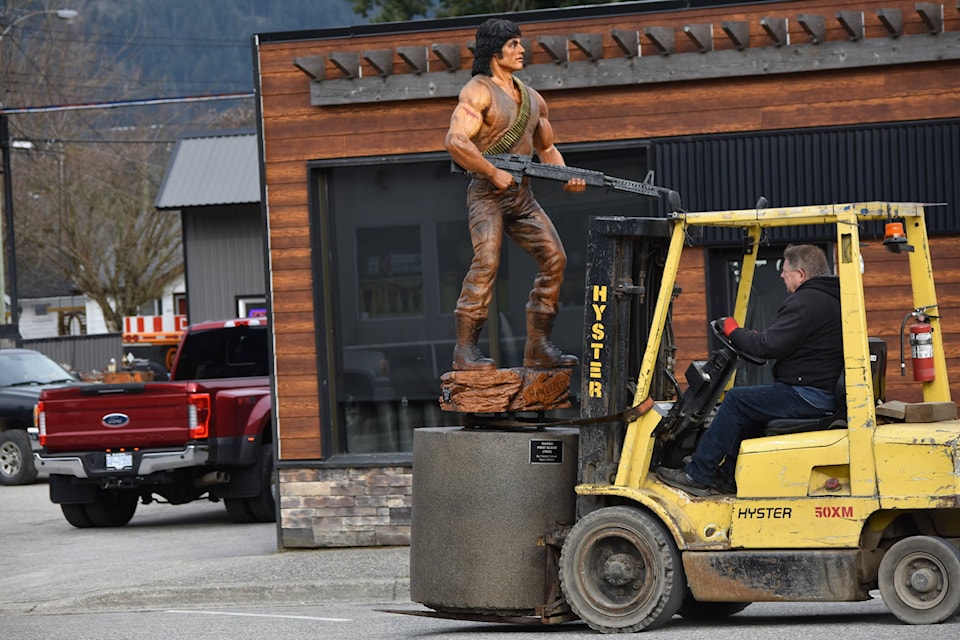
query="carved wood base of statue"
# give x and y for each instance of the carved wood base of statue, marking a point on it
(498, 390)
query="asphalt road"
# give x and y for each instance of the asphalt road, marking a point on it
(187, 572)
(762, 621)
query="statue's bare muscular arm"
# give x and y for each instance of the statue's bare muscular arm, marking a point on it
(546, 151)
(465, 123)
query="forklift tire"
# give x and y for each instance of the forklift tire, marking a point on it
(621, 571)
(693, 609)
(919, 580)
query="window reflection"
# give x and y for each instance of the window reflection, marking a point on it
(389, 272)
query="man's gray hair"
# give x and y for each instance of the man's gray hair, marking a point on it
(808, 257)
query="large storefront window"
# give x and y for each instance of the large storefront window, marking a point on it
(398, 247)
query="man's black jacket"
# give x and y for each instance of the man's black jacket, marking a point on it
(805, 337)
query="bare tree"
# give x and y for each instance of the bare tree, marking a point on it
(84, 181)
(116, 248)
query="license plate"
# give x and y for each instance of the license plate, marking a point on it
(119, 461)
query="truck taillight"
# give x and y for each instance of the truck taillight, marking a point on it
(40, 422)
(198, 409)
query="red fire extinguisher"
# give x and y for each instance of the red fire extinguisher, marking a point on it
(921, 347)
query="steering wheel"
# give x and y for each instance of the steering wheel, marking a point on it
(717, 327)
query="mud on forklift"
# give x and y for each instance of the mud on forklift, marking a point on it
(822, 512)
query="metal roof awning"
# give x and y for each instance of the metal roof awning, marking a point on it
(211, 170)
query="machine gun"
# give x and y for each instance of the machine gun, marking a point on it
(519, 166)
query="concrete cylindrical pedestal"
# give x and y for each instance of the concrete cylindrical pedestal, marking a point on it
(481, 499)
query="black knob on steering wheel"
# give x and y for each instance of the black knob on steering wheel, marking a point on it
(717, 327)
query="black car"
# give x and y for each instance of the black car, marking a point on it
(23, 375)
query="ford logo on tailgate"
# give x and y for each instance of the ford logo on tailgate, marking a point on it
(115, 420)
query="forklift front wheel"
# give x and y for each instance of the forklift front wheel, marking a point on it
(621, 571)
(919, 580)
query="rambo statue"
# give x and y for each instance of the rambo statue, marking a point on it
(498, 114)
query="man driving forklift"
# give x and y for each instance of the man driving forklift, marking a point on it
(805, 339)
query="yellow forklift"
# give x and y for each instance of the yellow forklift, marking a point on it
(508, 526)
(822, 512)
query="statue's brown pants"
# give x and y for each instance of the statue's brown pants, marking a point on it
(517, 214)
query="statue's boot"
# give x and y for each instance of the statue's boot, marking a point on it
(466, 354)
(539, 352)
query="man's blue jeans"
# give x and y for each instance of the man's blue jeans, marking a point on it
(743, 414)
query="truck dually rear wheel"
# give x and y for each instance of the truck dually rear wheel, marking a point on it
(76, 514)
(112, 507)
(621, 572)
(920, 580)
(261, 507)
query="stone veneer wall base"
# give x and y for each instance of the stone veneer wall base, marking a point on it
(345, 507)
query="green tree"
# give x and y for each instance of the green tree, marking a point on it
(402, 10)
(393, 10)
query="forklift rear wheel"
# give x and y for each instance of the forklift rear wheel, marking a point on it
(621, 572)
(920, 580)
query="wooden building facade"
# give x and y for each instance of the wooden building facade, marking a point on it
(803, 102)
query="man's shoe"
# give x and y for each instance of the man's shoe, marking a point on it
(725, 485)
(678, 479)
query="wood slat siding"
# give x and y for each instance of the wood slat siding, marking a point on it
(886, 284)
(295, 132)
(690, 312)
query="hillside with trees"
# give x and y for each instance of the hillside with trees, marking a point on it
(189, 47)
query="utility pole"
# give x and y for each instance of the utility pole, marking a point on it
(10, 331)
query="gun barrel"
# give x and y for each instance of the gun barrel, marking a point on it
(520, 165)
(632, 186)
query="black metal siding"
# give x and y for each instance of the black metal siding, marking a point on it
(908, 162)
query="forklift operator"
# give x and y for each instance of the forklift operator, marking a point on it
(805, 339)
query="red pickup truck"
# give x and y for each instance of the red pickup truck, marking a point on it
(206, 433)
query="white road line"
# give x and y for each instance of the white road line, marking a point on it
(259, 615)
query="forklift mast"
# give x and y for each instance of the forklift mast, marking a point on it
(623, 311)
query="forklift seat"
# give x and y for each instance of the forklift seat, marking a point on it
(836, 420)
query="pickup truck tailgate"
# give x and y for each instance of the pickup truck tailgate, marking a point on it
(99, 417)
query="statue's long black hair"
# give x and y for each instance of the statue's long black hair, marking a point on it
(491, 36)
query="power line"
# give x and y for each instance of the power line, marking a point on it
(106, 140)
(113, 104)
(68, 35)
